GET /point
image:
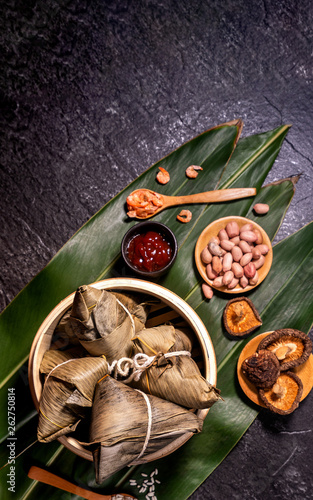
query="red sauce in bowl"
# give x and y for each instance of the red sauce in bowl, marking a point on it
(149, 251)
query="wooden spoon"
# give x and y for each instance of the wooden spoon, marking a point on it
(207, 197)
(47, 477)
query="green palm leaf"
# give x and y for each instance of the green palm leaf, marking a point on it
(80, 262)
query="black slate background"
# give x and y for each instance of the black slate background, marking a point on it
(94, 92)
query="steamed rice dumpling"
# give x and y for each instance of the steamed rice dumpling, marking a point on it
(177, 379)
(138, 306)
(184, 339)
(120, 424)
(104, 322)
(64, 329)
(54, 357)
(67, 393)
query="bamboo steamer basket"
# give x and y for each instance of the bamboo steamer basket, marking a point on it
(172, 308)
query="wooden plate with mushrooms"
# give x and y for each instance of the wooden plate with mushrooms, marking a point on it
(303, 371)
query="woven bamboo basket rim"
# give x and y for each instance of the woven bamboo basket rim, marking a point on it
(42, 342)
(212, 230)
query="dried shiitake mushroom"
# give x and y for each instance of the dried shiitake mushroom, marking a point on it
(292, 347)
(284, 396)
(240, 317)
(262, 368)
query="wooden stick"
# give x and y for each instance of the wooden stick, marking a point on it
(47, 477)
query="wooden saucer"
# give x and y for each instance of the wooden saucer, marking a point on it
(304, 372)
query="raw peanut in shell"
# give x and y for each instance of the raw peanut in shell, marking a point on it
(227, 262)
(218, 282)
(206, 256)
(259, 239)
(236, 253)
(244, 281)
(248, 236)
(249, 270)
(232, 229)
(235, 240)
(228, 277)
(234, 282)
(210, 273)
(207, 291)
(214, 248)
(217, 265)
(261, 208)
(245, 259)
(227, 245)
(256, 254)
(246, 227)
(253, 281)
(259, 262)
(237, 270)
(244, 246)
(223, 235)
(263, 249)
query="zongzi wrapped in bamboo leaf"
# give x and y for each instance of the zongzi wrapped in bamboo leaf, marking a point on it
(104, 322)
(178, 378)
(54, 357)
(138, 305)
(67, 393)
(64, 329)
(127, 425)
(184, 339)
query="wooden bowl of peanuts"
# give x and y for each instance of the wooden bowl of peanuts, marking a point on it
(233, 254)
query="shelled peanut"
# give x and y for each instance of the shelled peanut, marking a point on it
(234, 256)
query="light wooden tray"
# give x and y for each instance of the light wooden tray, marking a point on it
(171, 308)
(304, 372)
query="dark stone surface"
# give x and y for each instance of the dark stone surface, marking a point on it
(94, 92)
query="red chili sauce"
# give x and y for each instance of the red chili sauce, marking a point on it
(149, 251)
